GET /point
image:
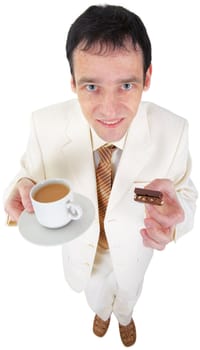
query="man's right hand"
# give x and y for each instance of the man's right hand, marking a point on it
(19, 199)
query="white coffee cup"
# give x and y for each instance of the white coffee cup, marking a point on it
(53, 204)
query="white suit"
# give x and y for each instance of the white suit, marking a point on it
(156, 147)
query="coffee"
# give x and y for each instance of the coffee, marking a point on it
(51, 192)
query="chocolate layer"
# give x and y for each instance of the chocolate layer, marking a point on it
(144, 195)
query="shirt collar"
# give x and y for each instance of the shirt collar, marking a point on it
(97, 142)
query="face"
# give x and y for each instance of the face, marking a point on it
(109, 88)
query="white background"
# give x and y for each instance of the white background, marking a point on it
(37, 308)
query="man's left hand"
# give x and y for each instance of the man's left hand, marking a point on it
(160, 221)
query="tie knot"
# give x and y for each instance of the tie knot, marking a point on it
(105, 153)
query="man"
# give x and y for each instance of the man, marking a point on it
(109, 53)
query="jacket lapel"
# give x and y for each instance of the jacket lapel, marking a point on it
(136, 151)
(77, 150)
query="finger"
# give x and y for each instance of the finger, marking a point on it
(148, 242)
(13, 212)
(166, 216)
(156, 232)
(24, 190)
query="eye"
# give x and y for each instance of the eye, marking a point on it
(91, 87)
(127, 86)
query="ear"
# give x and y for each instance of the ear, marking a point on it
(148, 78)
(73, 84)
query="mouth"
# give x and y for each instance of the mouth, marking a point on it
(110, 123)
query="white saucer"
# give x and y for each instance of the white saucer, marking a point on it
(35, 233)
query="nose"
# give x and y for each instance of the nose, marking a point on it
(109, 108)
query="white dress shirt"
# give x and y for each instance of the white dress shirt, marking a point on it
(97, 142)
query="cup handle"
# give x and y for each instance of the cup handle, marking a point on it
(75, 211)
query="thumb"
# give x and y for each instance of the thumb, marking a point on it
(24, 189)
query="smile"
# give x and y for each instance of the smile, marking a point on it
(110, 123)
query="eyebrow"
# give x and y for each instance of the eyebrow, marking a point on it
(132, 79)
(88, 80)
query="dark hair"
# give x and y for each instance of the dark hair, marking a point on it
(110, 26)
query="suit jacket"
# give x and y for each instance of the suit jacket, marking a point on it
(156, 147)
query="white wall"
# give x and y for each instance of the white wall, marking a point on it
(37, 308)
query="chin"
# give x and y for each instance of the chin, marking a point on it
(111, 138)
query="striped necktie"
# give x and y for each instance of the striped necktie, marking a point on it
(104, 184)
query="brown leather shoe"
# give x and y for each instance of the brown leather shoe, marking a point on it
(128, 333)
(100, 327)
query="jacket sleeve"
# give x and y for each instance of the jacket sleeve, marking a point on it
(185, 189)
(32, 165)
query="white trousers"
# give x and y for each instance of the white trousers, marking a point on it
(103, 294)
